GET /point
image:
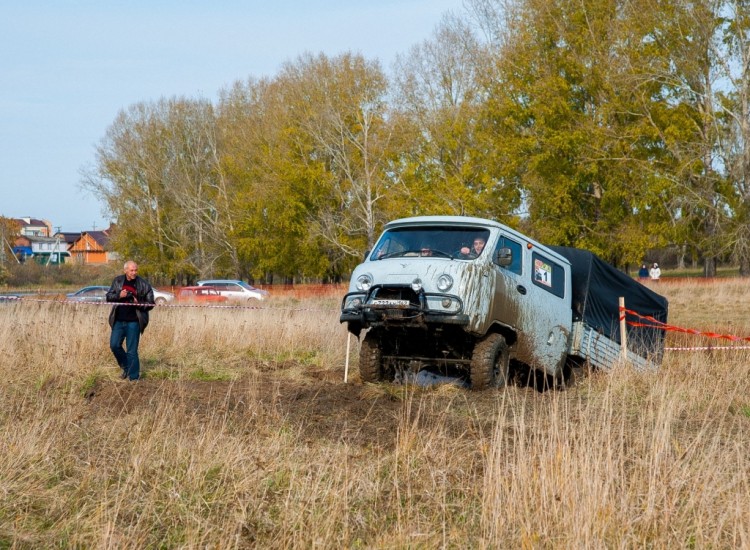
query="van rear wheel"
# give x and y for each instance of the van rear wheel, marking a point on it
(490, 363)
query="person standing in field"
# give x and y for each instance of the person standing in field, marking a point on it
(643, 272)
(133, 298)
(655, 272)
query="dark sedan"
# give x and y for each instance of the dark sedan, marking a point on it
(89, 294)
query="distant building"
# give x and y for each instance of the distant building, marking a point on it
(68, 238)
(92, 247)
(44, 250)
(31, 227)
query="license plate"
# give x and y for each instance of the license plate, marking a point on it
(391, 303)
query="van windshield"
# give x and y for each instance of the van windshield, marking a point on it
(459, 243)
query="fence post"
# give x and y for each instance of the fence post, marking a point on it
(346, 365)
(623, 331)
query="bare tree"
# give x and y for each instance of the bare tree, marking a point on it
(438, 89)
(340, 107)
(157, 172)
(733, 57)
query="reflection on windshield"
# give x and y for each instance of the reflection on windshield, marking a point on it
(461, 243)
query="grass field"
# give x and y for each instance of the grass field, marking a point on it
(244, 434)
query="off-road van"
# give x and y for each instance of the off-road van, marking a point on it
(426, 297)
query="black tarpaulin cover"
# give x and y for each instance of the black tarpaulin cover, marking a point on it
(597, 287)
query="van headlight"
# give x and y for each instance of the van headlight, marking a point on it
(353, 302)
(364, 282)
(416, 284)
(444, 282)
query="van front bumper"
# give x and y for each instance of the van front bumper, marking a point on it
(367, 309)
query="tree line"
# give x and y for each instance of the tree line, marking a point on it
(612, 125)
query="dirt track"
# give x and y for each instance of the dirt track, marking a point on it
(318, 406)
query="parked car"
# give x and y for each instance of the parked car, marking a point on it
(200, 294)
(89, 294)
(162, 296)
(235, 290)
(99, 294)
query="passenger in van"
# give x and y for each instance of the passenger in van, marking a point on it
(424, 250)
(466, 253)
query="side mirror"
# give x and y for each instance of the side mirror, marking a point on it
(504, 256)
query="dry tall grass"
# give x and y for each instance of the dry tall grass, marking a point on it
(242, 434)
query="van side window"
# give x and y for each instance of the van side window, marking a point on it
(515, 248)
(548, 275)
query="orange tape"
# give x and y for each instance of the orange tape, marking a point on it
(655, 323)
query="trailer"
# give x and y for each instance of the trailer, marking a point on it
(596, 290)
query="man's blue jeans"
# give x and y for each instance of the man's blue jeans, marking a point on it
(130, 333)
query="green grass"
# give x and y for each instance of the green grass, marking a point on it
(88, 384)
(205, 373)
(304, 357)
(164, 373)
(697, 272)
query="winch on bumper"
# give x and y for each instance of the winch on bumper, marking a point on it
(400, 304)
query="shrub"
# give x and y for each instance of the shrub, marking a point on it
(31, 274)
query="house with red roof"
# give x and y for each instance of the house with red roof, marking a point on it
(92, 247)
(68, 237)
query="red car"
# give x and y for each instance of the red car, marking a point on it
(200, 294)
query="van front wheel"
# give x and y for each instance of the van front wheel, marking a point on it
(490, 363)
(371, 358)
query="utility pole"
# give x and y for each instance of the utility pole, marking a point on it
(2, 254)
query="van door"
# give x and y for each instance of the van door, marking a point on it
(509, 296)
(546, 315)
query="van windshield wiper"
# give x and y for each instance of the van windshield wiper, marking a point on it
(416, 254)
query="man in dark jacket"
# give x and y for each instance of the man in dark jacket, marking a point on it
(128, 320)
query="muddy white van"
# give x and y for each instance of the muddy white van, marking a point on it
(470, 295)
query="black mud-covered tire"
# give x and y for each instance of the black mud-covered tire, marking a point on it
(490, 363)
(371, 358)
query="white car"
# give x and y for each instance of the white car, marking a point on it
(235, 290)
(162, 296)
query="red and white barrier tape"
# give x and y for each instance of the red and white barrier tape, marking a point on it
(654, 323)
(201, 306)
(706, 348)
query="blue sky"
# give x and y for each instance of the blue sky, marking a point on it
(67, 68)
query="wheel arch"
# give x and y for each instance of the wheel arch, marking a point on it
(507, 332)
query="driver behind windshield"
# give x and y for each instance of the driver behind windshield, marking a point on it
(469, 253)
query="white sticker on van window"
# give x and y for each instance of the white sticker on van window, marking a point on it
(542, 273)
